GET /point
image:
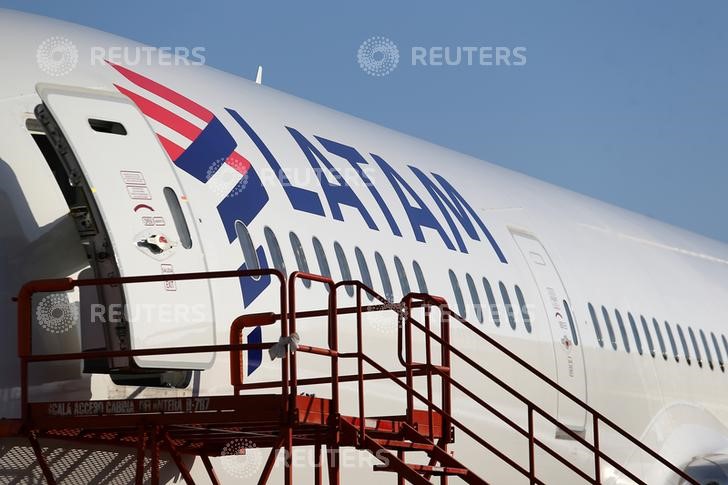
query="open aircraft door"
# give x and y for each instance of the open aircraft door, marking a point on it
(134, 220)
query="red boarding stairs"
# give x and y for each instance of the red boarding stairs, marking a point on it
(201, 426)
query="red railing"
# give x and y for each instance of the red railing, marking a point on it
(405, 379)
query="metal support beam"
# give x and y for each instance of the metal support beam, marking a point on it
(47, 473)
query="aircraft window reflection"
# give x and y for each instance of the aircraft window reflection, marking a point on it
(475, 297)
(323, 262)
(718, 353)
(524, 309)
(344, 267)
(648, 336)
(622, 331)
(684, 343)
(250, 256)
(597, 328)
(178, 217)
(635, 332)
(366, 276)
(660, 340)
(572, 325)
(610, 329)
(507, 302)
(300, 256)
(670, 337)
(421, 282)
(458, 293)
(695, 346)
(384, 275)
(725, 344)
(492, 303)
(708, 353)
(275, 250)
(402, 275)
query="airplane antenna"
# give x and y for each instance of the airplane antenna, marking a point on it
(259, 75)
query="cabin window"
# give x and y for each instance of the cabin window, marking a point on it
(622, 331)
(635, 333)
(458, 294)
(323, 262)
(344, 267)
(708, 353)
(671, 338)
(366, 276)
(509, 306)
(597, 328)
(610, 329)
(300, 256)
(402, 275)
(421, 282)
(178, 218)
(718, 353)
(491, 303)
(250, 256)
(660, 340)
(475, 297)
(695, 346)
(572, 325)
(684, 343)
(106, 126)
(275, 250)
(648, 336)
(524, 309)
(384, 276)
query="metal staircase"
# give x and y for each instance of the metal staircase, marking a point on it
(200, 426)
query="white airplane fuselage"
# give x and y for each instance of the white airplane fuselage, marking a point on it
(245, 157)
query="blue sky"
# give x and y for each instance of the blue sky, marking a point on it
(624, 101)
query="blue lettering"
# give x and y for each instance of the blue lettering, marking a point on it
(337, 194)
(301, 199)
(419, 216)
(462, 205)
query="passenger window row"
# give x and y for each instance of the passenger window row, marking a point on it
(342, 260)
(494, 314)
(691, 343)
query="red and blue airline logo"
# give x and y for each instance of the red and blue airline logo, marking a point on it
(199, 144)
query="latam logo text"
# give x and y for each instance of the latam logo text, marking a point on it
(337, 192)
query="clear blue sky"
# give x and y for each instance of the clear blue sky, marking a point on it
(624, 101)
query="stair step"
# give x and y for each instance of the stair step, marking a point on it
(426, 469)
(404, 445)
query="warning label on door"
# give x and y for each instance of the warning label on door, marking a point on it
(133, 178)
(139, 192)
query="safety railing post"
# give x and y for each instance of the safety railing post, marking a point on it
(360, 363)
(597, 452)
(408, 362)
(428, 360)
(445, 361)
(531, 448)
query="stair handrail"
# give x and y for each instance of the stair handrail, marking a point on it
(532, 407)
